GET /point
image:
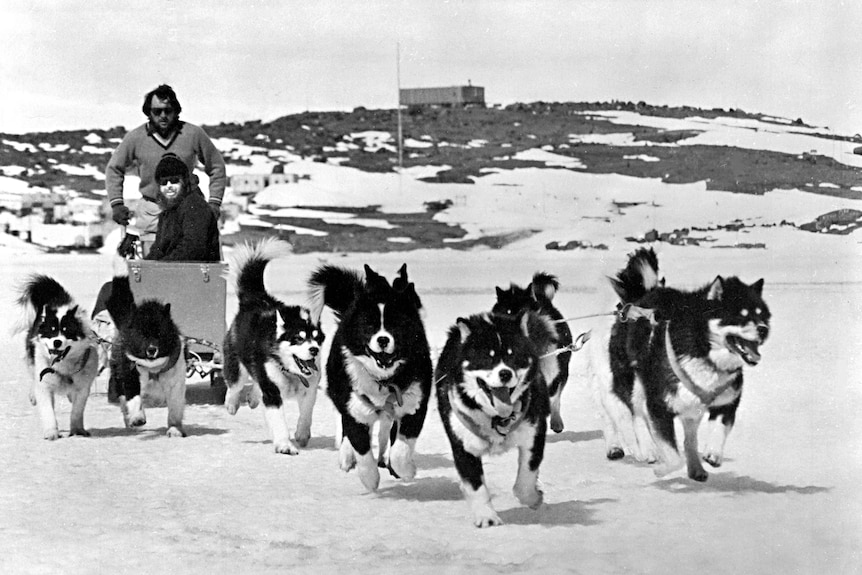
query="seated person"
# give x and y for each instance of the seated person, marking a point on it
(188, 229)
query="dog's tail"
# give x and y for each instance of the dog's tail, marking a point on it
(544, 286)
(36, 292)
(639, 276)
(335, 287)
(248, 262)
(121, 302)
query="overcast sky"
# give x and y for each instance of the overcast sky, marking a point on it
(82, 64)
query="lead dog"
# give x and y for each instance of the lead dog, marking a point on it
(492, 397)
(60, 352)
(379, 366)
(148, 356)
(276, 344)
(677, 353)
(539, 297)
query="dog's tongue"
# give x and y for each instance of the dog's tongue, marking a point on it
(502, 400)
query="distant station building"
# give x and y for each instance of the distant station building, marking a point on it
(468, 95)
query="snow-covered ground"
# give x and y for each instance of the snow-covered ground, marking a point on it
(220, 501)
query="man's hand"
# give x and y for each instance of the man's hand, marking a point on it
(215, 209)
(121, 214)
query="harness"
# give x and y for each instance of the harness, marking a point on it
(394, 397)
(705, 396)
(286, 372)
(50, 369)
(172, 361)
(503, 426)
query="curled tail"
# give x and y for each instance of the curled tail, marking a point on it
(639, 276)
(121, 302)
(335, 287)
(36, 292)
(544, 286)
(249, 261)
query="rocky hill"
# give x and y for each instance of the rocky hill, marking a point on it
(42, 159)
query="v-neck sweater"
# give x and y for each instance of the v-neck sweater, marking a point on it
(139, 154)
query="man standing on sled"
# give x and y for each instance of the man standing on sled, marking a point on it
(143, 148)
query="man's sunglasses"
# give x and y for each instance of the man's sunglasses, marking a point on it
(170, 180)
(159, 111)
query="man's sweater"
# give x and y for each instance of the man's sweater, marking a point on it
(140, 152)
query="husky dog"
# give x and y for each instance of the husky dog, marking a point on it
(148, 356)
(539, 296)
(379, 366)
(60, 351)
(675, 353)
(492, 397)
(276, 344)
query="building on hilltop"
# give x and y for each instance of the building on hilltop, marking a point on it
(468, 95)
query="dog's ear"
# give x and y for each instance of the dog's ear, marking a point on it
(463, 327)
(500, 292)
(716, 289)
(758, 287)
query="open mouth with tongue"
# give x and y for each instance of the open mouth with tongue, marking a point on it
(306, 366)
(747, 349)
(501, 398)
(384, 360)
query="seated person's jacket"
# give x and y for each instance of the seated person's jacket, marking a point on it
(187, 231)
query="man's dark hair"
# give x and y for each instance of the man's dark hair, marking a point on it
(164, 92)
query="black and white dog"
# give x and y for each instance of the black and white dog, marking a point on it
(675, 353)
(539, 297)
(275, 344)
(379, 366)
(60, 350)
(492, 397)
(148, 356)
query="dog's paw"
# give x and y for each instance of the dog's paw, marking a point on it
(370, 476)
(401, 461)
(302, 437)
(557, 423)
(615, 453)
(137, 420)
(286, 448)
(174, 431)
(486, 517)
(51, 434)
(713, 459)
(231, 402)
(531, 496)
(346, 456)
(665, 468)
(253, 397)
(80, 432)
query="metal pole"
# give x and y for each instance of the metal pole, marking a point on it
(398, 77)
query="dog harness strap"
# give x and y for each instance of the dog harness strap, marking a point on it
(172, 361)
(84, 359)
(706, 397)
(630, 312)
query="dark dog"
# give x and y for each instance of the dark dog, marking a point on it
(147, 356)
(60, 351)
(539, 297)
(492, 397)
(379, 366)
(276, 344)
(676, 353)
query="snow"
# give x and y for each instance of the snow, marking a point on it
(786, 499)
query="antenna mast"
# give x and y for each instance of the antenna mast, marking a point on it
(398, 77)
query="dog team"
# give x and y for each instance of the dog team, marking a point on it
(670, 354)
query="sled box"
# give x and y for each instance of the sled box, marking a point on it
(196, 292)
